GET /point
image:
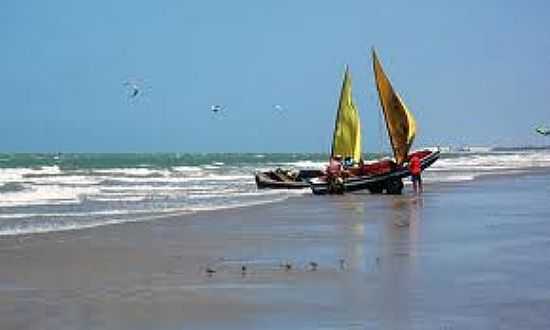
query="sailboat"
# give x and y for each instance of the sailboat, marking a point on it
(346, 141)
(381, 175)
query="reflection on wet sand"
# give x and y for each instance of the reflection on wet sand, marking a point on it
(382, 262)
(353, 254)
(397, 262)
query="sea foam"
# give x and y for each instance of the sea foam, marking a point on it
(46, 198)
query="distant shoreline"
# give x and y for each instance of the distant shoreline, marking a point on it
(453, 148)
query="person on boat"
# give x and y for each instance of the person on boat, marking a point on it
(335, 174)
(361, 164)
(416, 170)
(335, 166)
(348, 162)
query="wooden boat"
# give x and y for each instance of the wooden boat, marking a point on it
(381, 175)
(376, 177)
(286, 179)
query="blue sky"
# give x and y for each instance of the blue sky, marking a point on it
(472, 72)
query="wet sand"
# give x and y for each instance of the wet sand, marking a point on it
(472, 255)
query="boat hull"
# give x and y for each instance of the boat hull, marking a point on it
(376, 183)
(279, 179)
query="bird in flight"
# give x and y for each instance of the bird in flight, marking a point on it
(216, 108)
(133, 88)
(543, 130)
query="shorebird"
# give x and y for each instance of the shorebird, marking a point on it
(210, 271)
(343, 264)
(286, 265)
(313, 265)
(243, 270)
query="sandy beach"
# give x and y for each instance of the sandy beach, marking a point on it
(472, 255)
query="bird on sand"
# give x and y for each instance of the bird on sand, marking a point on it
(313, 266)
(210, 271)
(286, 265)
(343, 265)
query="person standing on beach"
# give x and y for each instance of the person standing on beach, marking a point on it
(415, 169)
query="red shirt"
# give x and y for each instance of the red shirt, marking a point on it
(414, 165)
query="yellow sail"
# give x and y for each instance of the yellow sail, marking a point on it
(347, 130)
(399, 121)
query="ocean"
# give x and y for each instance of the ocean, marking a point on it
(56, 192)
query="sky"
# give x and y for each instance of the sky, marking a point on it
(471, 72)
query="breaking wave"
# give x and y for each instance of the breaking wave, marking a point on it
(41, 193)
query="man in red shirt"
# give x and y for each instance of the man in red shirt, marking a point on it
(415, 169)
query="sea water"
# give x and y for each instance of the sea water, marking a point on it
(53, 192)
